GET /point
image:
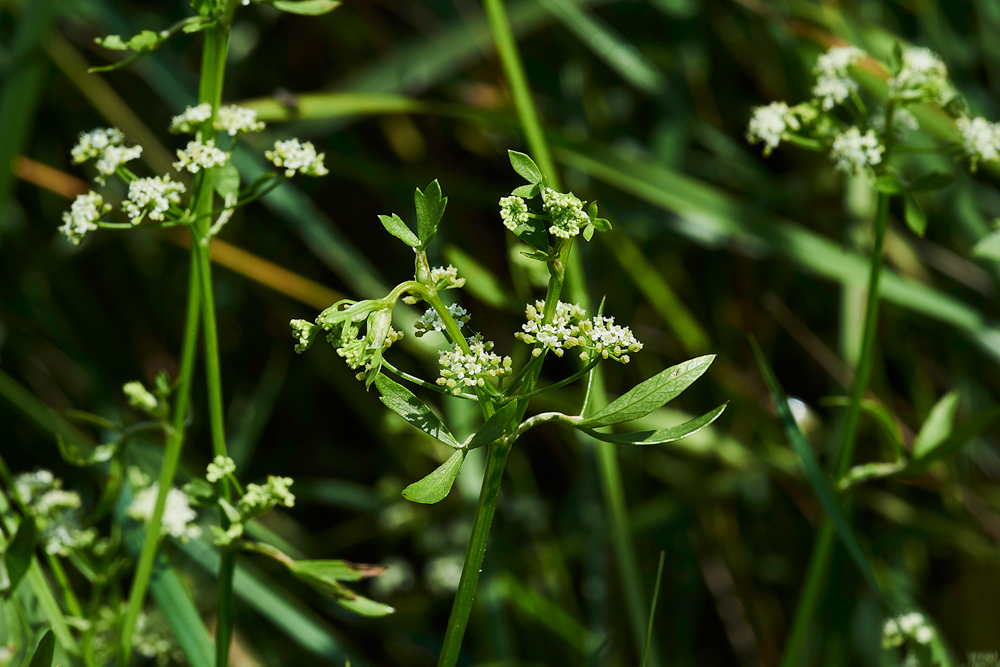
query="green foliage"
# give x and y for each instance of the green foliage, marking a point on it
(44, 652)
(304, 7)
(660, 436)
(19, 553)
(430, 210)
(404, 403)
(436, 486)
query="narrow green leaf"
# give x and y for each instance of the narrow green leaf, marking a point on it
(882, 414)
(651, 394)
(45, 651)
(888, 184)
(305, 7)
(954, 444)
(988, 246)
(932, 181)
(337, 570)
(525, 166)
(662, 435)
(359, 604)
(495, 426)
(430, 208)
(937, 427)
(534, 234)
(435, 486)
(916, 219)
(395, 226)
(147, 40)
(813, 471)
(527, 191)
(404, 403)
(20, 551)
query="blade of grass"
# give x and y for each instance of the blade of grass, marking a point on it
(652, 609)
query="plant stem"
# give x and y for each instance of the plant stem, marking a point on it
(168, 468)
(496, 459)
(820, 560)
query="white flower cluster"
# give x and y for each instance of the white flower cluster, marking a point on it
(153, 638)
(358, 352)
(980, 140)
(571, 328)
(833, 82)
(260, 498)
(446, 278)
(189, 121)
(303, 330)
(459, 369)
(114, 157)
(853, 151)
(82, 216)
(178, 517)
(139, 396)
(200, 155)
(152, 196)
(923, 76)
(55, 511)
(568, 216)
(513, 212)
(220, 468)
(92, 144)
(432, 321)
(911, 626)
(293, 156)
(234, 119)
(769, 123)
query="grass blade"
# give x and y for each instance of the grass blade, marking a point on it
(652, 609)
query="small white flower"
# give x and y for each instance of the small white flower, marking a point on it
(980, 139)
(293, 156)
(610, 340)
(769, 123)
(220, 467)
(177, 514)
(200, 155)
(153, 196)
(431, 321)
(234, 119)
(513, 212)
(260, 498)
(568, 216)
(923, 76)
(924, 634)
(113, 157)
(833, 82)
(82, 216)
(852, 151)
(56, 512)
(192, 118)
(139, 396)
(446, 278)
(92, 144)
(459, 369)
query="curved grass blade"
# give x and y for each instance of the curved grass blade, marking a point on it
(662, 435)
(812, 469)
(436, 486)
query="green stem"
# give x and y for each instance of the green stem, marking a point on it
(496, 459)
(820, 560)
(168, 467)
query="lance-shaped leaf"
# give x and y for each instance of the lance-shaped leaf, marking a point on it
(937, 427)
(916, 219)
(954, 443)
(305, 7)
(988, 246)
(395, 226)
(651, 394)
(662, 435)
(495, 426)
(430, 208)
(402, 401)
(525, 166)
(325, 576)
(45, 651)
(433, 488)
(527, 191)
(932, 181)
(814, 473)
(20, 551)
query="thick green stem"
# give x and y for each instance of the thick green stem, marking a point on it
(820, 560)
(496, 459)
(168, 468)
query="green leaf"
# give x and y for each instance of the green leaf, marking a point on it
(75, 456)
(226, 180)
(602, 224)
(360, 605)
(916, 219)
(430, 208)
(45, 651)
(662, 435)
(813, 471)
(888, 184)
(527, 191)
(988, 246)
(935, 180)
(404, 403)
(112, 43)
(588, 232)
(954, 444)
(525, 166)
(20, 551)
(305, 7)
(495, 426)
(395, 226)
(651, 394)
(435, 486)
(336, 570)
(937, 427)
(533, 233)
(198, 24)
(147, 40)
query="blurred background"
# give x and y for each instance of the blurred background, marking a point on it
(646, 103)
